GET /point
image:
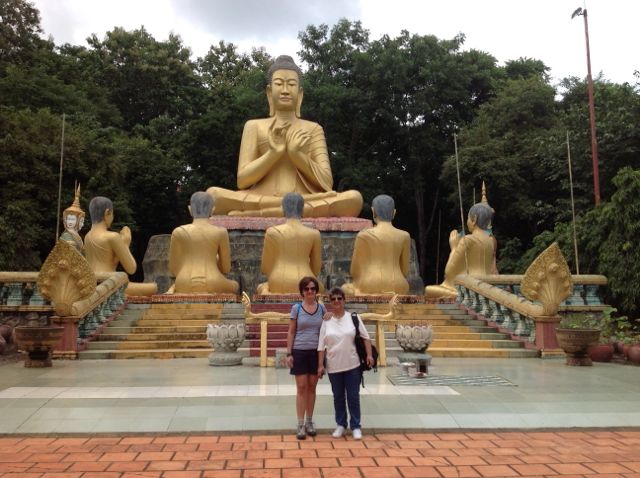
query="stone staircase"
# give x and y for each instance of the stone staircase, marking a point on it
(157, 331)
(456, 334)
(178, 330)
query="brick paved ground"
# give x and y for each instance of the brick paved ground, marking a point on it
(608, 454)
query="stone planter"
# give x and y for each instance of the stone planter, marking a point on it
(633, 354)
(38, 342)
(225, 340)
(601, 352)
(576, 343)
(414, 338)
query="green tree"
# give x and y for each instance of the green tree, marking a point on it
(389, 108)
(606, 238)
(513, 145)
(145, 78)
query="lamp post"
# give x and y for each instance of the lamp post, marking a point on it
(592, 110)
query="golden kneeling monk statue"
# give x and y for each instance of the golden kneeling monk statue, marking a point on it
(291, 251)
(472, 254)
(200, 254)
(73, 220)
(104, 249)
(380, 261)
(283, 154)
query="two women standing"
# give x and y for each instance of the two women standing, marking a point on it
(315, 334)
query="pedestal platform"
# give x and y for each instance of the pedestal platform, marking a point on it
(246, 235)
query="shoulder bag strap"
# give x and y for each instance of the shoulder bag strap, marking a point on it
(354, 317)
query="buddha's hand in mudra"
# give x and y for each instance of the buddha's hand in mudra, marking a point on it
(125, 234)
(278, 137)
(454, 238)
(298, 142)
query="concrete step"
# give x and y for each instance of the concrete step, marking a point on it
(145, 353)
(149, 344)
(482, 353)
(186, 329)
(174, 322)
(109, 337)
(463, 336)
(187, 306)
(475, 344)
(180, 315)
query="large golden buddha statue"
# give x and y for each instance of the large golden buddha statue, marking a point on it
(472, 254)
(380, 261)
(73, 220)
(105, 249)
(282, 154)
(199, 254)
(291, 251)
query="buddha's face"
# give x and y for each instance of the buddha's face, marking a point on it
(284, 90)
(70, 221)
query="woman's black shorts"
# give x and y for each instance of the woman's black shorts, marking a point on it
(305, 362)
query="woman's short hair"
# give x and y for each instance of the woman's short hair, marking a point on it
(336, 291)
(305, 281)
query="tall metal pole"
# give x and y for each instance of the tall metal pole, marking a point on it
(592, 110)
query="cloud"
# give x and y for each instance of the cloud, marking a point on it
(271, 20)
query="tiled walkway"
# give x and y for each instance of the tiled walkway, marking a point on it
(183, 418)
(608, 454)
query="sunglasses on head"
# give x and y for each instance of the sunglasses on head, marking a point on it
(333, 299)
(310, 288)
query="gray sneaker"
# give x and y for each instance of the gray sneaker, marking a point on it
(302, 434)
(311, 429)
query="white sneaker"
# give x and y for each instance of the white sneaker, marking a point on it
(357, 434)
(338, 432)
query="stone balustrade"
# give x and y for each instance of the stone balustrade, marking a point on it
(498, 299)
(19, 296)
(19, 293)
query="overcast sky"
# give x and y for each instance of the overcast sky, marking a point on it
(507, 29)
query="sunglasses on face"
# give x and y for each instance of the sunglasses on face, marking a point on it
(312, 289)
(333, 299)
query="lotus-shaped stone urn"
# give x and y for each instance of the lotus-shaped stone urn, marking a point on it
(414, 338)
(38, 342)
(225, 340)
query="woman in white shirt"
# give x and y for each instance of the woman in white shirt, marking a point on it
(337, 339)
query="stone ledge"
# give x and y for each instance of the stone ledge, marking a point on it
(348, 224)
(182, 298)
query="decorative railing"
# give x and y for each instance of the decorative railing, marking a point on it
(266, 321)
(498, 298)
(587, 294)
(96, 310)
(19, 293)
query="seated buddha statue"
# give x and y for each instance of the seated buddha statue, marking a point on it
(282, 154)
(291, 250)
(199, 254)
(380, 260)
(473, 253)
(73, 220)
(105, 249)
